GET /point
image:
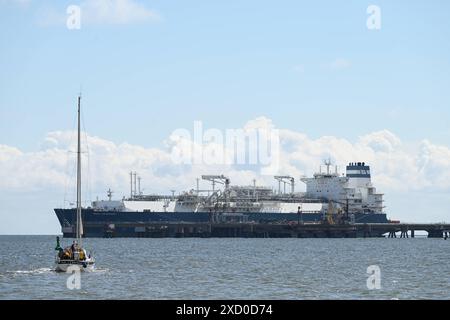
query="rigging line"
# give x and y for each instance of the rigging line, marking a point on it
(69, 169)
(72, 167)
(89, 190)
(66, 178)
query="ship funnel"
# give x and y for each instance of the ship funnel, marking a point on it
(358, 170)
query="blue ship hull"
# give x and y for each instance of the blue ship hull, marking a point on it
(128, 224)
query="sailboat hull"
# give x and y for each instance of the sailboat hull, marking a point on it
(72, 265)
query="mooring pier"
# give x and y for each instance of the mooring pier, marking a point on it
(264, 230)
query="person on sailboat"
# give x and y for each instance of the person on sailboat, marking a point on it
(74, 246)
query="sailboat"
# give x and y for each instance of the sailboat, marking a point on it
(75, 255)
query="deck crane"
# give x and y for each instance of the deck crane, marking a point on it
(285, 180)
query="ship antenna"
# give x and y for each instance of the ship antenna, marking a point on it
(327, 163)
(131, 185)
(139, 185)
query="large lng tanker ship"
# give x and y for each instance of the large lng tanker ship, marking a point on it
(349, 198)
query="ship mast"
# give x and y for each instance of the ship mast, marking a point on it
(79, 223)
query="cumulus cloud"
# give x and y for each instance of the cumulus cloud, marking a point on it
(395, 166)
(382, 141)
(116, 12)
(434, 163)
(300, 68)
(100, 12)
(340, 64)
(19, 2)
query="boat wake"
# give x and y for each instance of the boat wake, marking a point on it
(41, 271)
(99, 270)
(35, 271)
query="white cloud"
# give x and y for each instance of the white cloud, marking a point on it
(407, 173)
(116, 12)
(299, 68)
(263, 123)
(433, 162)
(20, 2)
(100, 12)
(395, 166)
(383, 141)
(340, 64)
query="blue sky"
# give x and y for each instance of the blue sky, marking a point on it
(225, 63)
(309, 66)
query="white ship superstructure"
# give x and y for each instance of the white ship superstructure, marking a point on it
(355, 189)
(352, 193)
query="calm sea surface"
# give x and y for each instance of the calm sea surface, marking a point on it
(230, 269)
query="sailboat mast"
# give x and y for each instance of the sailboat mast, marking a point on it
(79, 225)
